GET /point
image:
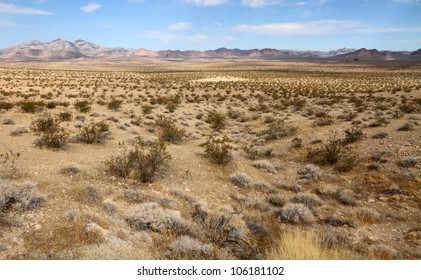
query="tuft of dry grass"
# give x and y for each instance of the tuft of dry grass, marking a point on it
(301, 244)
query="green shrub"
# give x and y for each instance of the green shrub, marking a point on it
(353, 134)
(94, 132)
(32, 106)
(51, 134)
(169, 131)
(114, 104)
(6, 105)
(216, 120)
(65, 116)
(219, 149)
(141, 161)
(82, 106)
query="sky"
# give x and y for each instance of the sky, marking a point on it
(210, 24)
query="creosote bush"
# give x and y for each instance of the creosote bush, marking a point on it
(114, 104)
(216, 120)
(83, 106)
(51, 134)
(142, 162)
(169, 131)
(218, 149)
(94, 132)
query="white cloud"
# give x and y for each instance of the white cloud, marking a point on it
(6, 23)
(259, 3)
(388, 30)
(91, 7)
(321, 27)
(12, 9)
(180, 26)
(206, 2)
(196, 38)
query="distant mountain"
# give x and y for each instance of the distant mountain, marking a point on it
(373, 55)
(60, 49)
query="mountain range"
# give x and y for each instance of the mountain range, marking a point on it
(60, 49)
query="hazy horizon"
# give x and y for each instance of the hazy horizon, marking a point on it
(320, 25)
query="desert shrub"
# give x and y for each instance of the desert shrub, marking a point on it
(253, 153)
(114, 104)
(141, 161)
(379, 121)
(25, 196)
(296, 214)
(82, 106)
(380, 135)
(353, 134)
(65, 116)
(308, 199)
(296, 143)
(216, 120)
(241, 179)
(347, 197)
(265, 165)
(71, 169)
(94, 132)
(329, 153)
(406, 127)
(296, 188)
(347, 161)
(6, 105)
(279, 129)
(169, 131)
(276, 200)
(408, 162)
(366, 215)
(218, 149)
(310, 172)
(32, 106)
(19, 131)
(188, 247)
(147, 109)
(324, 121)
(50, 133)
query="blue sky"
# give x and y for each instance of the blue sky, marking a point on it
(211, 24)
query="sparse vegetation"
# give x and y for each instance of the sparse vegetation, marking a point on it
(218, 149)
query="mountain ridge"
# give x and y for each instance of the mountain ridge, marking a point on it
(60, 49)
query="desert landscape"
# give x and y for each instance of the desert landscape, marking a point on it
(168, 158)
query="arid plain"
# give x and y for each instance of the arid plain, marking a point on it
(210, 159)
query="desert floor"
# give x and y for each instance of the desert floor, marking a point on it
(210, 159)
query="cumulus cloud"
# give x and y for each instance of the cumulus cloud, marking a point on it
(91, 7)
(321, 27)
(206, 2)
(12, 9)
(180, 26)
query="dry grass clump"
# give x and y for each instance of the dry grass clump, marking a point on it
(408, 162)
(300, 244)
(310, 172)
(218, 149)
(140, 161)
(241, 179)
(276, 200)
(63, 238)
(366, 215)
(296, 213)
